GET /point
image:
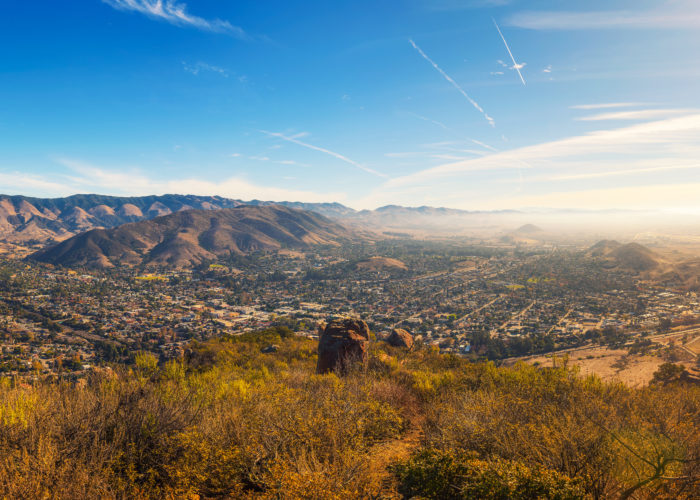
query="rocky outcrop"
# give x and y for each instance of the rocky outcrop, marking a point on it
(400, 338)
(342, 343)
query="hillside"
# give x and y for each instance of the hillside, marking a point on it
(635, 257)
(190, 237)
(631, 256)
(381, 264)
(233, 419)
(25, 219)
(603, 248)
(528, 229)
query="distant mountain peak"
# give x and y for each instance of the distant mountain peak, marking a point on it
(528, 229)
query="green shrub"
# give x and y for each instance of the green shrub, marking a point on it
(440, 475)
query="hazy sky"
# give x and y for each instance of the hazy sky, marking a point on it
(474, 104)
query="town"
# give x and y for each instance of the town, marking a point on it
(478, 301)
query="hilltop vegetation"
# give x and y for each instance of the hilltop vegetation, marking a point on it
(231, 421)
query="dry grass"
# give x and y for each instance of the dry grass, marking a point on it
(611, 365)
(235, 423)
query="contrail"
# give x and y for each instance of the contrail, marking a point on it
(483, 145)
(435, 122)
(516, 66)
(454, 84)
(443, 126)
(322, 150)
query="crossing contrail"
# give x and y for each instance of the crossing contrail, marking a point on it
(454, 84)
(516, 66)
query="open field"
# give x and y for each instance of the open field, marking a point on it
(635, 370)
(609, 364)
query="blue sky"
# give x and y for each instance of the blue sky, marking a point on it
(411, 102)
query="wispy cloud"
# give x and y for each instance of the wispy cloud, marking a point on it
(672, 15)
(608, 105)
(175, 13)
(665, 197)
(405, 154)
(517, 67)
(198, 67)
(645, 114)
(665, 141)
(624, 172)
(295, 140)
(457, 146)
(454, 83)
(134, 182)
(20, 182)
(291, 162)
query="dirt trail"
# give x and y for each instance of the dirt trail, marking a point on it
(386, 454)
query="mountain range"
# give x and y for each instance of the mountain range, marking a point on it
(190, 237)
(27, 220)
(45, 220)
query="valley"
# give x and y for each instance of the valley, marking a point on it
(498, 302)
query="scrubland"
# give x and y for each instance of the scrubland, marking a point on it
(232, 422)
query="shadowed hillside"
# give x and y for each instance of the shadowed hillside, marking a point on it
(631, 257)
(193, 236)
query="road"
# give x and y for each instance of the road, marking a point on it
(463, 318)
(561, 320)
(678, 334)
(514, 317)
(590, 346)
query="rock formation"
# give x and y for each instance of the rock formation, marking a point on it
(342, 342)
(400, 338)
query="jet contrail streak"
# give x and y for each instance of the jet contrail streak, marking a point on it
(454, 84)
(323, 150)
(516, 66)
(483, 145)
(443, 126)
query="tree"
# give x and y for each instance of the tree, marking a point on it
(668, 372)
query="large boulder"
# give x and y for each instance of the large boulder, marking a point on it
(400, 338)
(342, 343)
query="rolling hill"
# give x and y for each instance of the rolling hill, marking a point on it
(46, 220)
(603, 248)
(631, 256)
(190, 237)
